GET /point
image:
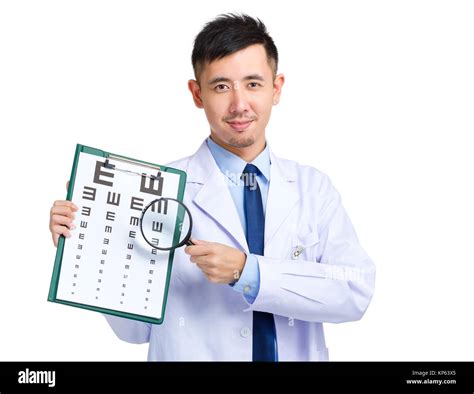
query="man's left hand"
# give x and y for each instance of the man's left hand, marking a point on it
(220, 263)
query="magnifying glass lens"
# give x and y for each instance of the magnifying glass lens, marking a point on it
(166, 224)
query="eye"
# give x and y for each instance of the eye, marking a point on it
(221, 87)
(254, 85)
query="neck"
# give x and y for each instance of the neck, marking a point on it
(248, 153)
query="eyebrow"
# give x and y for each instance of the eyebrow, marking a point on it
(257, 77)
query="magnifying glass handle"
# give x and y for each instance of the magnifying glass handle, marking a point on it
(189, 242)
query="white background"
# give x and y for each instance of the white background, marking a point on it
(379, 95)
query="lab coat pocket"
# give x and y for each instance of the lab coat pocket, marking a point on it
(304, 246)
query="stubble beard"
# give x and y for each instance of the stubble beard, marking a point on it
(241, 143)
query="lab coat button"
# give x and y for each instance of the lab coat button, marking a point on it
(246, 289)
(245, 332)
(297, 252)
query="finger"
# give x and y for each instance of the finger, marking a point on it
(213, 278)
(60, 230)
(196, 242)
(205, 269)
(66, 203)
(62, 210)
(199, 242)
(203, 263)
(55, 239)
(193, 249)
(195, 259)
(62, 220)
(199, 250)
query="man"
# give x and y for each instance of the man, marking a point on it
(275, 253)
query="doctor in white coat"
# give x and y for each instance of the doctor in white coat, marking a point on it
(313, 269)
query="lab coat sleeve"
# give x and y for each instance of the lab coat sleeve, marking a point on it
(129, 330)
(335, 285)
(248, 284)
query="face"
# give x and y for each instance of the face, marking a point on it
(237, 93)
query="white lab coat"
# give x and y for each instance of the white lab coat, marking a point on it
(313, 271)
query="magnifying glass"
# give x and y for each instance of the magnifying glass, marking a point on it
(166, 224)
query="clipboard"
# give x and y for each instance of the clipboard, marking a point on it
(105, 266)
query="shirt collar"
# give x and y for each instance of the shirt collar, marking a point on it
(232, 165)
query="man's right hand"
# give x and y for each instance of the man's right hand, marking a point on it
(61, 219)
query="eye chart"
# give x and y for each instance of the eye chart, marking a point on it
(106, 265)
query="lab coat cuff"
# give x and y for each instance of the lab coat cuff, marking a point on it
(269, 283)
(249, 281)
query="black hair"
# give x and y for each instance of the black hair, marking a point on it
(230, 33)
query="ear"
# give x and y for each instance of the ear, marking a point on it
(277, 86)
(195, 90)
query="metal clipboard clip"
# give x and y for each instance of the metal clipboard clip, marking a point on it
(111, 166)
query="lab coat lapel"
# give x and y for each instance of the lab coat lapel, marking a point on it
(214, 197)
(282, 195)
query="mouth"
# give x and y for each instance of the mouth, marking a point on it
(240, 125)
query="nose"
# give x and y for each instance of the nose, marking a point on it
(239, 103)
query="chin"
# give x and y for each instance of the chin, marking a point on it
(242, 142)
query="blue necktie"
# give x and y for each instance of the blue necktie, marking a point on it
(264, 336)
